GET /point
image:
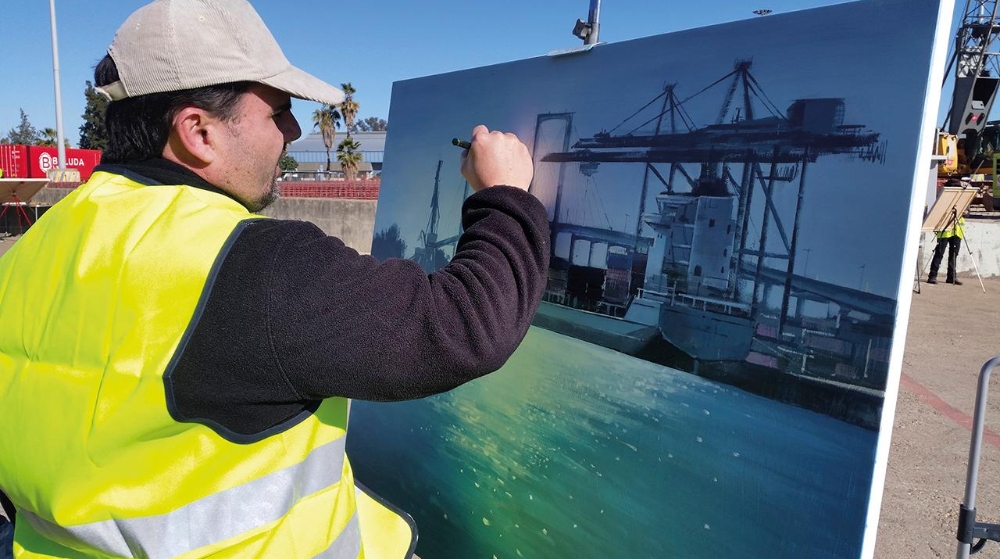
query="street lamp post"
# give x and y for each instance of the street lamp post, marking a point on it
(589, 30)
(55, 71)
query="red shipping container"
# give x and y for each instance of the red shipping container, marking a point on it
(41, 159)
(14, 161)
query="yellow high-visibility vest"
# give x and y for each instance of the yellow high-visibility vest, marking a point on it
(95, 302)
(955, 230)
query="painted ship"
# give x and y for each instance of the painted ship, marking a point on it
(687, 277)
(588, 293)
(690, 275)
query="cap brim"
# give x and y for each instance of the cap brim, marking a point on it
(301, 85)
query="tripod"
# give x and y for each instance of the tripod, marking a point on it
(972, 257)
(23, 219)
(14, 193)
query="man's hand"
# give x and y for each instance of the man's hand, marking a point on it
(496, 158)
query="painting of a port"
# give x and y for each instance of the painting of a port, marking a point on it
(706, 375)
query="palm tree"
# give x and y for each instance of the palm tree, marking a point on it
(349, 157)
(347, 151)
(349, 107)
(48, 138)
(327, 119)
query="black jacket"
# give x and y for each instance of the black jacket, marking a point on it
(295, 316)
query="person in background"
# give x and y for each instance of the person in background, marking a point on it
(950, 238)
(176, 370)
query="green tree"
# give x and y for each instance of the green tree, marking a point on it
(24, 133)
(93, 133)
(327, 119)
(349, 157)
(49, 137)
(288, 163)
(372, 124)
(349, 107)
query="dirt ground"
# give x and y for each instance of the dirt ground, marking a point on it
(950, 335)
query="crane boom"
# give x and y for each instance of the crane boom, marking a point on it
(977, 72)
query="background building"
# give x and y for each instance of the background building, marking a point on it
(311, 155)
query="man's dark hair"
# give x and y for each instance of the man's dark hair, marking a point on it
(138, 127)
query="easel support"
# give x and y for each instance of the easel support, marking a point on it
(18, 205)
(955, 220)
(14, 193)
(974, 265)
(950, 205)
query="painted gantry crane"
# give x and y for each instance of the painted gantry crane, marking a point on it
(704, 248)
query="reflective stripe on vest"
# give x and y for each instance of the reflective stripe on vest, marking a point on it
(217, 517)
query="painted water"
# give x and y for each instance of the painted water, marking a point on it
(573, 450)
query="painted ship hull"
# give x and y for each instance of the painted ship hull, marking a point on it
(706, 335)
(614, 333)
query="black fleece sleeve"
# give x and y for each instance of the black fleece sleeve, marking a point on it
(295, 316)
(389, 331)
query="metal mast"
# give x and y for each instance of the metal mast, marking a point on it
(430, 234)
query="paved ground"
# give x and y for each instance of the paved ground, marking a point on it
(952, 331)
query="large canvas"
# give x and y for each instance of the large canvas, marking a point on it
(713, 369)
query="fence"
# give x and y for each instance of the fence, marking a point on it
(351, 190)
(371, 156)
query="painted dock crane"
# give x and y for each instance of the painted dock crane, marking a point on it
(429, 254)
(702, 309)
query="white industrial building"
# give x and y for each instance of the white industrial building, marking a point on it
(310, 153)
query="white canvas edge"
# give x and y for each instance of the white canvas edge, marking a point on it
(932, 101)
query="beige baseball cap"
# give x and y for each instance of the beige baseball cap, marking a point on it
(170, 45)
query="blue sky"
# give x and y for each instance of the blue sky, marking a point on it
(368, 43)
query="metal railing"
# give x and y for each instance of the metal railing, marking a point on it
(968, 529)
(365, 189)
(320, 156)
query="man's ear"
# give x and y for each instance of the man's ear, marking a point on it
(193, 140)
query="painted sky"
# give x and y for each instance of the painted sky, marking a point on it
(370, 44)
(853, 222)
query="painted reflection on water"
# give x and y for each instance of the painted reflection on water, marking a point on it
(590, 453)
